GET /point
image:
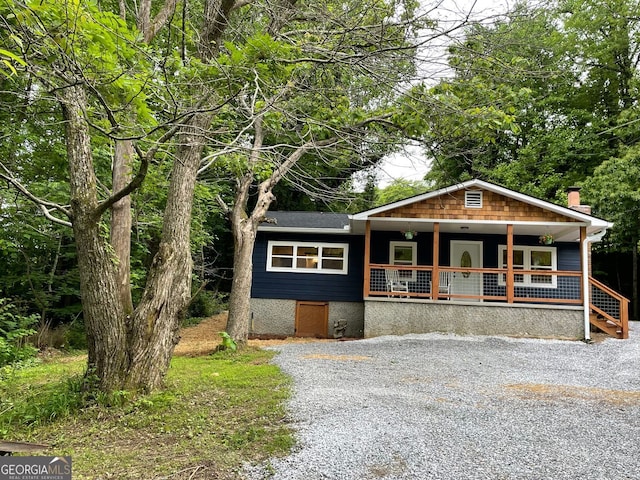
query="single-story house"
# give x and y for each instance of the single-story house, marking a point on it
(473, 258)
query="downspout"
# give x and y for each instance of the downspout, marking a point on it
(589, 239)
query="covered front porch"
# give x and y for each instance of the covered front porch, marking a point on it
(483, 245)
(488, 265)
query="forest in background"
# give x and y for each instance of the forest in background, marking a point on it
(539, 99)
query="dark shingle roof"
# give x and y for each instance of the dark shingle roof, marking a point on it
(286, 220)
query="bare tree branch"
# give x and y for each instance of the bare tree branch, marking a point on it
(44, 205)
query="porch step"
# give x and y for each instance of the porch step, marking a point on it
(606, 326)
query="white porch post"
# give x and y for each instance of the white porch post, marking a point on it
(584, 266)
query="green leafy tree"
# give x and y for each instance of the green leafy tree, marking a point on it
(614, 193)
(149, 102)
(9, 61)
(538, 99)
(99, 75)
(400, 189)
(318, 97)
(14, 330)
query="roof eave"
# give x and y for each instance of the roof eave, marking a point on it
(325, 231)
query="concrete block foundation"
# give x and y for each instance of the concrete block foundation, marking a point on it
(277, 317)
(393, 317)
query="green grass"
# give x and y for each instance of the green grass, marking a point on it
(215, 413)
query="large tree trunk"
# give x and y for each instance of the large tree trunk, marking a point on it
(131, 352)
(104, 316)
(158, 316)
(121, 221)
(244, 234)
(245, 229)
(132, 348)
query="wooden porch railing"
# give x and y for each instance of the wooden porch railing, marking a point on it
(609, 309)
(475, 284)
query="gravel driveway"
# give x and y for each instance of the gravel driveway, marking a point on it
(448, 407)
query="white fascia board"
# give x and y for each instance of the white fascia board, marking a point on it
(325, 231)
(596, 225)
(566, 211)
(476, 222)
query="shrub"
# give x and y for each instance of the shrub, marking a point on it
(14, 330)
(206, 304)
(75, 336)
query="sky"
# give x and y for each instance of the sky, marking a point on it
(411, 164)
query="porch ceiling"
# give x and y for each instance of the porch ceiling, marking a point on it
(562, 232)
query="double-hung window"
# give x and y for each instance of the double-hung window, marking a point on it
(530, 258)
(307, 257)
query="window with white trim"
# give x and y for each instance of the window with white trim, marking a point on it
(307, 257)
(530, 258)
(404, 253)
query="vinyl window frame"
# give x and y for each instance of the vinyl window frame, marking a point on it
(527, 265)
(320, 257)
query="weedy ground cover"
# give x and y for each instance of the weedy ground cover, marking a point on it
(216, 412)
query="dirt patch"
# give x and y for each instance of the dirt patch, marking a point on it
(556, 393)
(202, 339)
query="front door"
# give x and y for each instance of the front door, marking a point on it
(312, 319)
(466, 253)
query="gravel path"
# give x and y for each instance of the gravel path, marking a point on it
(448, 407)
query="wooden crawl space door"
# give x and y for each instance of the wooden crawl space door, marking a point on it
(312, 319)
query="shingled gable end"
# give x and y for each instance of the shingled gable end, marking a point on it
(494, 207)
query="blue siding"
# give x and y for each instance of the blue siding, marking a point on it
(568, 255)
(309, 286)
(348, 288)
(380, 246)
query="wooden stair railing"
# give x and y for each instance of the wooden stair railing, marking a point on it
(609, 310)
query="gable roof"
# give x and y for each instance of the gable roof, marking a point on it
(306, 222)
(569, 213)
(530, 215)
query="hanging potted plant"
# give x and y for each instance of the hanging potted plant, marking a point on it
(409, 234)
(546, 239)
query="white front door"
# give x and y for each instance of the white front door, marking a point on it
(466, 253)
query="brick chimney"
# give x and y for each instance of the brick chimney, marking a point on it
(573, 200)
